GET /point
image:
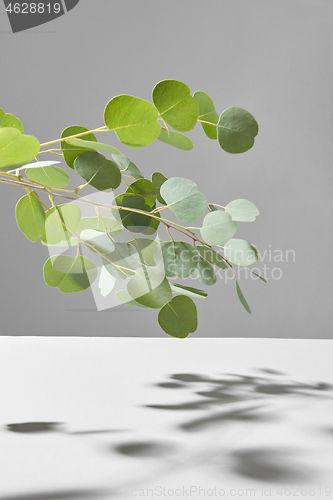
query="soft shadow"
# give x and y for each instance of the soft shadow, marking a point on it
(87, 494)
(271, 465)
(244, 415)
(145, 449)
(34, 427)
(102, 431)
(170, 385)
(230, 389)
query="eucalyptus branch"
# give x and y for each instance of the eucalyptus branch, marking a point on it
(137, 123)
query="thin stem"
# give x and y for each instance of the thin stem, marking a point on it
(100, 129)
(167, 228)
(49, 151)
(82, 199)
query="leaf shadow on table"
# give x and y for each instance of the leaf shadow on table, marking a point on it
(38, 427)
(79, 494)
(243, 401)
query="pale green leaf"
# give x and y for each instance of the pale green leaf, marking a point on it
(204, 272)
(150, 288)
(242, 210)
(99, 172)
(30, 216)
(207, 113)
(176, 258)
(212, 256)
(69, 274)
(16, 149)
(175, 139)
(240, 252)
(176, 105)
(237, 129)
(242, 298)
(218, 228)
(48, 176)
(134, 120)
(184, 199)
(179, 317)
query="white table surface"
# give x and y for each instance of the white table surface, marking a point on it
(90, 418)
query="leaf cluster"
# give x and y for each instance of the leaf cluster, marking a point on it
(145, 262)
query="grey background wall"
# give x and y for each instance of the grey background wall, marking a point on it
(274, 58)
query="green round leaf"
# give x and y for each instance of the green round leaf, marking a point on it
(175, 139)
(122, 261)
(134, 120)
(158, 179)
(218, 228)
(72, 152)
(127, 165)
(150, 288)
(176, 258)
(16, 149)
(133, 221)
(242, 210)
(48, 176)
(99, 223)
(179, 317)
(207, 113)
(237, 129)
(69, 274)
(204, 272)
(145, 188)
(240, 252)
(81, 143)
(30, 216)
(176, 105)
(184, 199)
(9, 120)
(195, 293)
(60, 224)
(97, 241)
(211, 256)
(106, 282)
(99, 172)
